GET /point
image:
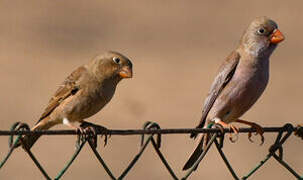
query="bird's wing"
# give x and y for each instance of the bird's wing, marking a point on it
(226, 72)
(68, 88)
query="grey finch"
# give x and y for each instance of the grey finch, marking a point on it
(239, 83)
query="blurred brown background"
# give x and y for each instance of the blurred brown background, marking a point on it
(176, 48)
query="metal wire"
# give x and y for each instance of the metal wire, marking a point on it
(138, 131)
(154, 133)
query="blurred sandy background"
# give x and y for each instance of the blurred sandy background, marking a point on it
(176, 48)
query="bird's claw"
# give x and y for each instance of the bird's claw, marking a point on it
(236, 133)
(91, 135)
(86, 133)
(106, 135)
(80, 137)
(232, 128)
(249, 137)
(232, 139)
(97, 128)
(259, 131)
(220, 127)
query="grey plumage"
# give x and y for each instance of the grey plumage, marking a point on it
(241, 80)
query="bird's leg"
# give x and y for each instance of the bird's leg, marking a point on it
(90, 132)
(83, 133)
(71, 125)
(259, 129)
(222, 125)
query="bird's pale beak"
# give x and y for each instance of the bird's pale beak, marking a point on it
(126, 72)
(276, 37)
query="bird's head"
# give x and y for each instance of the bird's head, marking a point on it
(112, 65)
(261, 37)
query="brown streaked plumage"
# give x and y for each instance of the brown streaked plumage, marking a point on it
(241, 80)
(83, 93)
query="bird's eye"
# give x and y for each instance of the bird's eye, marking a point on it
(261, 31)
(116, 60)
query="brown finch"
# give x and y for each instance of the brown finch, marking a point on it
(83, 93)
(241, 80)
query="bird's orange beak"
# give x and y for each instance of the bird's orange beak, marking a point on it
(276, 37)
(126, 72)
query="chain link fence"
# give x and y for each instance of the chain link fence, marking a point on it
(151, 135)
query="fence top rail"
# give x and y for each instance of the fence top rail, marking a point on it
(154, 137)
(143, 131)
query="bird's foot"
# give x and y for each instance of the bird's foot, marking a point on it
(259, 130)
(221, 125)
(105, 132)
(87, 133)
(94, 128)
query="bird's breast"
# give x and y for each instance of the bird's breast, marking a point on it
(88, 102)
(244, 89)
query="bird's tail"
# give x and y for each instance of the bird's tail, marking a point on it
(203, 140)
(29, 140)
(200, 125)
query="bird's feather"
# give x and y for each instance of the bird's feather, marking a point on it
(225, 74)
(68, 88)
